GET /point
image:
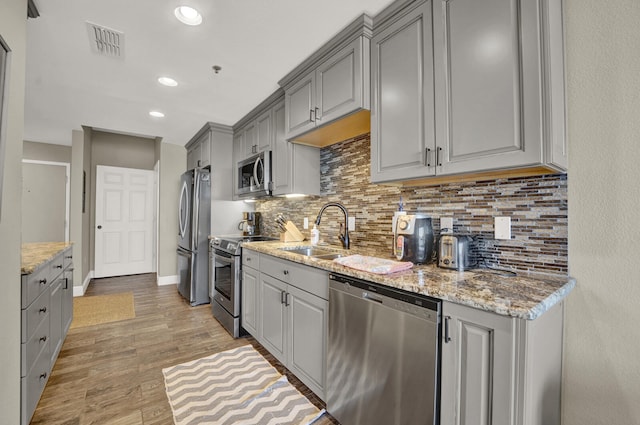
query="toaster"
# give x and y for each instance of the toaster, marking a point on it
(455, 252)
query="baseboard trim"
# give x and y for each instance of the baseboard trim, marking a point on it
(78, 291)
(168, 280)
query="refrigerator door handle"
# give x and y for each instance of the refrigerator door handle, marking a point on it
(183, 211)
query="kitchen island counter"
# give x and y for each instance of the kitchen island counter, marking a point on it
(525, 296)
(35, 254)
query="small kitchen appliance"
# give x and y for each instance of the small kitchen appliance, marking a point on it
(455, 252)
(413, 238)
(250, 223)
(254, 176)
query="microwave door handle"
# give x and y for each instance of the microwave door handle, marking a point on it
(258, 164)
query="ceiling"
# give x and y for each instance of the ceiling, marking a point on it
(256, 42)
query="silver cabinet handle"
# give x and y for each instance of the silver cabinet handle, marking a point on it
(286, 299)
(427, 157)
(43, 281)
(283, 297)
(315, 114)
(311, 111)
(286, 272)
(438, 157)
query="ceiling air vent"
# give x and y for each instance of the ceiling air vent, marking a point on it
(105, 41)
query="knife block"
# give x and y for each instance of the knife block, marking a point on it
(291, 234)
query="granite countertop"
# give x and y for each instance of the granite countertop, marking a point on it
(525, 296)
(36, 253)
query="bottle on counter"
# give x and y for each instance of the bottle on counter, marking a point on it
(315, 235)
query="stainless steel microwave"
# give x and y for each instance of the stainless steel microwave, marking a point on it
(254, 176)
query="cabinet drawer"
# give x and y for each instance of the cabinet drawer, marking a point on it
(310, 279)
(34, 284)
(30, 350)
(57, 264)
(67, 258)
(33, 384)
(251, 259)
(34, 315)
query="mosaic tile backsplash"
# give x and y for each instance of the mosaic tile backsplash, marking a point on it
(537, 207)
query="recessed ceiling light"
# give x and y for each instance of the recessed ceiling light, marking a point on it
(156, 114)
(188, 15)
(167, 81)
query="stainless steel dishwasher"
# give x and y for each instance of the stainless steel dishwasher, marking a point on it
(383, 360)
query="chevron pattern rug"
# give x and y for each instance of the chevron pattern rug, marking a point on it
(237, 386)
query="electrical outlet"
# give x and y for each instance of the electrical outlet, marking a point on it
(352, 224)
(305, 223)
(502, 228)
(446, 224)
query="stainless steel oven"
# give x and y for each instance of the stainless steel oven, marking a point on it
(225, 254)
(254, 176)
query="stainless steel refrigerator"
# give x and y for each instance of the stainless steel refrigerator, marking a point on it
(194, 223)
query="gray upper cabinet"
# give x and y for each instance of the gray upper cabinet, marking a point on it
(294, 168)
(402, 113)
(199, 150)
(332, 83)
(496, 68)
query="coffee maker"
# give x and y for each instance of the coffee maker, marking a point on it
(413, 238)
(250, 223)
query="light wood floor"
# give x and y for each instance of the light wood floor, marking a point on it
(112, 373)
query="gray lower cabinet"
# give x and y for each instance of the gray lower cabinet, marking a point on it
(480, 88)
(500, 370)
(249, 311)
(47, 311)
(292, 317)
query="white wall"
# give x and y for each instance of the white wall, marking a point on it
(173, 162)
(13, 21)
(602, 345)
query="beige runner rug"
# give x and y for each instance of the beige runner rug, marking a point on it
(237, 386)
(98, 309)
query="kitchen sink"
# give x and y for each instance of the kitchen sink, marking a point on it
(311, 251)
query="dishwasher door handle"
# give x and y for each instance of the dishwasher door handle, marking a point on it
(367, 296)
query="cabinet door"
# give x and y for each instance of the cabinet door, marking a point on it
(281, 159)
(487, 85)
(250, 139)
(339, 89)
(264, 134)
(272, 311)
(300, 107)
(238, 155)
(205, 150)
(477, 367)
(193, 157)
(67, 301)
(249, 305)
(308, 319)
(402, 112)
(55, 318)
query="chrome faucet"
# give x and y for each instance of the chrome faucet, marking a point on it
(343, 236)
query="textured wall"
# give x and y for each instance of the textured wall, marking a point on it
(602, 372)
(537, 207)
(13, 31)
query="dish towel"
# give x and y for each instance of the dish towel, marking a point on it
(373, 264)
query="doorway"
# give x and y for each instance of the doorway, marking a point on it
(124, 221)
(45, 201)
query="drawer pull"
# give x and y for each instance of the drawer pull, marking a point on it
(286, 272)
(43, 376)
(59, 266)
(69, 257)
(43, 310)
(43, 338)
(248, 259)
(43, 281)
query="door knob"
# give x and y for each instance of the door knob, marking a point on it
(99, 227)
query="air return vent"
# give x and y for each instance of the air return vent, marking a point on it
(105, 41)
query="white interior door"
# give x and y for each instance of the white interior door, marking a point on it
(124, 221)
